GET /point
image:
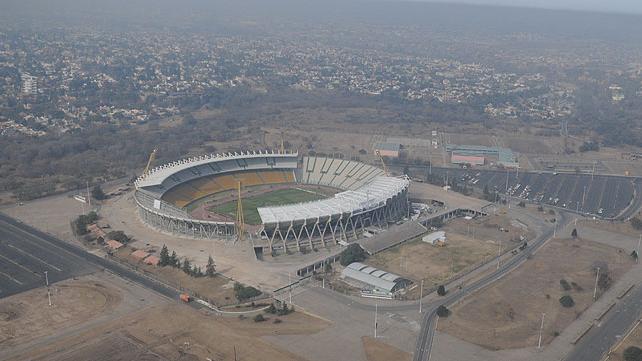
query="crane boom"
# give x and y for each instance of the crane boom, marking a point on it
(151, 159)
(383, 164)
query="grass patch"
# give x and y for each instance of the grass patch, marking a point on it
(276, 198)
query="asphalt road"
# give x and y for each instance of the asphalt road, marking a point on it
(24, 259)
(59, 255)
(597, 342)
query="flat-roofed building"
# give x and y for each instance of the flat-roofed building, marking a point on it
(390, 150)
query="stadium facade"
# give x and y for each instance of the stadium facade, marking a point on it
(366, 197)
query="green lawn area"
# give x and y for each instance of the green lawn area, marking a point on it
(276, 198)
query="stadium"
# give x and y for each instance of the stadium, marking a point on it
(289, 203)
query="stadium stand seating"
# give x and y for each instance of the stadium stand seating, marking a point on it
(337, 173)
(185, 193)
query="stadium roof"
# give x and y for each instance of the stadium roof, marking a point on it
(371, 276)
(367, 197)
(157, 175)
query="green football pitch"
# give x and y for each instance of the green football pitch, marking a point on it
(276, 198)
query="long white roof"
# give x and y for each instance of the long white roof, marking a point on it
(369, 196)
(371, 276)
(157, 175)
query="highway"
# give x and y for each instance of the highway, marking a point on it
(33, 252)
(597, 342)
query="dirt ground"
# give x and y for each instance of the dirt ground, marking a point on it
(418, 260)
(28, 316)
(178, 332)
(634, 339)
(379, 351)
(508, 314)
(469, 242)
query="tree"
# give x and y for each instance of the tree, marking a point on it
(210, 269)
(443, 311)
(441, 290)
(354, 253)
(259, 318)
(164, 256)
(187, 267)
(574, 233)
(97, 193)
(173, 260)
(243, 293)
(120, 236)
(567, 301)
(632, 353)
(634, 255)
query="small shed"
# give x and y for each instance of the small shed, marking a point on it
(139, 254)
(152, 260)
(113, 244)
(437, 238)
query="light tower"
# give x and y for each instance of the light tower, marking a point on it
(240, 220)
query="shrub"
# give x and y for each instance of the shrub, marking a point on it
(632, 354)
(354, 253)
(277, 320)
(259, 318)
(243, 293)
(636, 222)
(574, 233)
(441, 290)
(443, 311)
(565, 285)
(271, 309)
(567, 301)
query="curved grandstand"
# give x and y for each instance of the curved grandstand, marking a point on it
(365, 197)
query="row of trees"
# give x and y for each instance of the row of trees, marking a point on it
(172, 260)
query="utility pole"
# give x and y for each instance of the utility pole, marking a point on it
(88, 196)
(499, 253)
(421, 294)
(290, 287)
(637, 259)
(375, 325)
(47, 278)
(597, 276)
(541, 328)
(49, 296)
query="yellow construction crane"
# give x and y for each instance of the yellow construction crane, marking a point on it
(282, 144)
(152, 158)
(383, 164)
(240, 219)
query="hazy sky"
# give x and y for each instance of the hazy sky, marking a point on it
(622, 6)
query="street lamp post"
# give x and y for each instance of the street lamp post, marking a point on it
(541, 328)
(421, 294)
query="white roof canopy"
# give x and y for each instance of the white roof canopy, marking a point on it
(367, 197)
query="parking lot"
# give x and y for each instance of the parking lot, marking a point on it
(599, 195)
(24, 259)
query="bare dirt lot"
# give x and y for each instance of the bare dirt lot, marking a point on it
(469, 242)
(28, 316)
(174, 332)
(379, 351)
(508, 314)
(418, 260)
